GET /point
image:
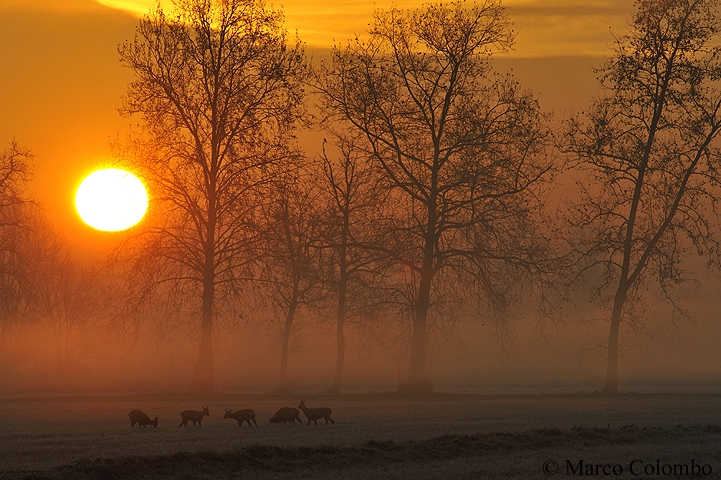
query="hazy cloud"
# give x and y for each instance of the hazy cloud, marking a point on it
(545, 28)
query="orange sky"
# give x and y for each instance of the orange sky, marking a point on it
(61, 82)
(546, 27)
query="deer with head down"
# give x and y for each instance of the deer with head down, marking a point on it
(136, 416)
(242, 416)
(286, 415)
(193, 416)
(315, 413)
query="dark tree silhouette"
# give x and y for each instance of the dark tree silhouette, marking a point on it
(352, 199)
(292, 266)
(218, 89)
(15, 230)
(454, 141)
(648, 161)
(71, 301)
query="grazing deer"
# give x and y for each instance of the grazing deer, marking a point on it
(193, 416)
(286, 415)
(316, 413)
(136, 416)
(241, 416)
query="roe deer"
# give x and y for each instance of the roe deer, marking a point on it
(193, 416)
(316, 413)
(136, 416)
(286, 415)
(242, 416)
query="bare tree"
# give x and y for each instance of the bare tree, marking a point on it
(453, 139)
(292, 262)
(647, 161)
(71, 301)
(218, 89)
(352, 198)
(15, 229)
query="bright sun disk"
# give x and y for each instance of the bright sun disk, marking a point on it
(111, 200)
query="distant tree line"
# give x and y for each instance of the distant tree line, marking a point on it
(427, 202)
(42, 286)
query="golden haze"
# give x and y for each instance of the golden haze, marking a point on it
(62, 80)
(545, 27)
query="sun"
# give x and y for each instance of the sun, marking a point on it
(111, 200)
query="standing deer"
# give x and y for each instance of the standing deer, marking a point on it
(193, 416)
(241, 416)
(136, 416)
(316, 413)
(286, 415)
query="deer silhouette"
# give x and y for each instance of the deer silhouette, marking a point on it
(136, 416)
(193, 416)
(315, 413)
(286, 415)
(242, 416)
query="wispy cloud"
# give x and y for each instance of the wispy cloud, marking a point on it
(567, 27)
(139, 7)
(544, 27)
(52, 5)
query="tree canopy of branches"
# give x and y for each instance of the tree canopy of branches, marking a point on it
(15, 277)
(218, 89)
(352, 199)
(462, 148)
(648, 161)
(292, 263)
(71, 301)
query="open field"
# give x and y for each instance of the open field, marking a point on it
(374, 437)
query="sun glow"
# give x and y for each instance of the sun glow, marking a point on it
(111, 200)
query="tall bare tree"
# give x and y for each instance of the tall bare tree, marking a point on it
(15, 230)
(454, 140)
(648, 160)
(352, 199)
(292, 263)
(218, 89)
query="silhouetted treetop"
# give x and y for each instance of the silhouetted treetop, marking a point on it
(218, 88)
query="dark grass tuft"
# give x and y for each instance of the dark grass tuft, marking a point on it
(330, 458)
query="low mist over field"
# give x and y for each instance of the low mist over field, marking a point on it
(248, 360)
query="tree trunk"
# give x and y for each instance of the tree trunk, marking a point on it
(340, 338)
(340, 322)
(204, 378)
(611, 386)
(418, 383)
(282, 386)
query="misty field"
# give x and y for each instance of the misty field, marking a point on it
(375, 436)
